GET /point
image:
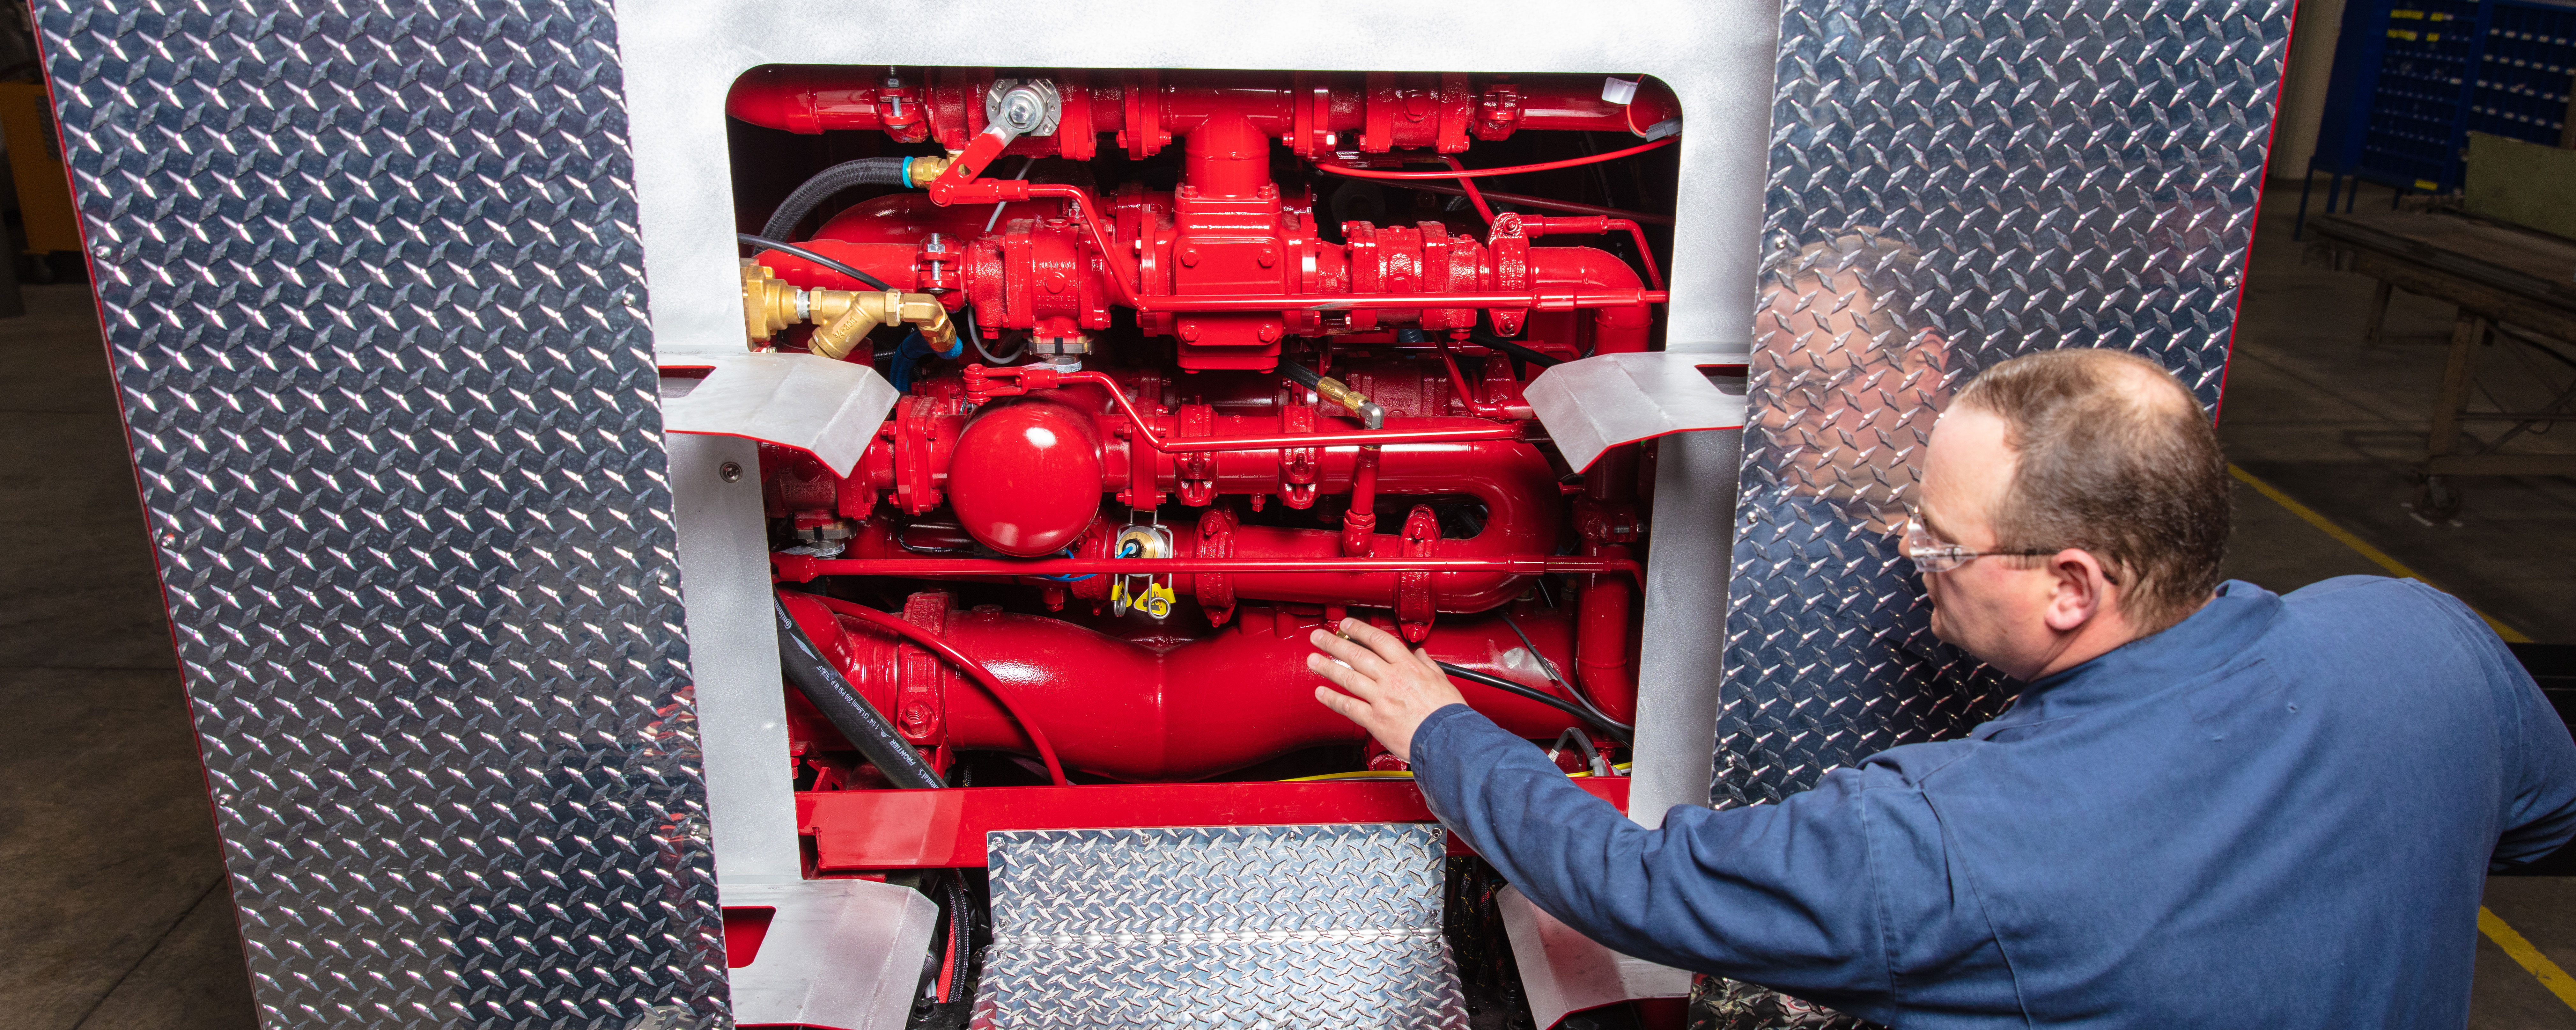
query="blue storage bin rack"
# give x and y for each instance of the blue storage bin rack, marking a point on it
(2412, 78)
(2526, 65)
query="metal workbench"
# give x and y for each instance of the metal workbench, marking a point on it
(2506, 280)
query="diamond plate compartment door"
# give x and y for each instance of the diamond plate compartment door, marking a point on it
(1954, 182)
(1326, 927)
(375, 307)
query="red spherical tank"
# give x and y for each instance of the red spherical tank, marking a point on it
(1026, 479)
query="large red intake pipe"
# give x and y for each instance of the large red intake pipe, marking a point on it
(1133, 711)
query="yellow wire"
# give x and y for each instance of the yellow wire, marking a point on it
(1362, 774)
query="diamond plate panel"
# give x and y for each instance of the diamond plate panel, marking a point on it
(373, 299)
(1954, 182)
(1238, 926)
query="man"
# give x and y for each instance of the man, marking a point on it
(2211, 806)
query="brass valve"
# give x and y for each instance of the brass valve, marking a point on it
(770, 305)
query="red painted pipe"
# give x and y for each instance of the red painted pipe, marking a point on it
(1410, 108)
(1136, 712)
(797, 568)
(1602, 656)
(1615, 329)
(1523, 510)
(1038, 377)
(984, 678)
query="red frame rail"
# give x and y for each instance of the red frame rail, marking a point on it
(867, 830)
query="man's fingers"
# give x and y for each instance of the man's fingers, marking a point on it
(1351, 654)
(1386, 645)
(1342, 704)
(1342, 676)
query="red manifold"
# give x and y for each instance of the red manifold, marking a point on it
(1226, 264)
(1057, 482)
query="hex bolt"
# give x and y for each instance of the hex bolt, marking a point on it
(1022, 109)
(730, 471)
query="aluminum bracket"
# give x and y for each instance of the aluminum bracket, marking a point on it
(1564, 972)
(1606, 400)
(839, 954)
(824, 407)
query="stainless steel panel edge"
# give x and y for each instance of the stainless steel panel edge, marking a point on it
(374, 306)
(687, 53)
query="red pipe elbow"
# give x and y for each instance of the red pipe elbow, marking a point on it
(1584, 269)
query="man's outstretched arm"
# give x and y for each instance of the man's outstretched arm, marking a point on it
(1777, 894)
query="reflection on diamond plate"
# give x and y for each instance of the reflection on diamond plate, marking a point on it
(373, 300)
(1954, 182)
(1268, 926)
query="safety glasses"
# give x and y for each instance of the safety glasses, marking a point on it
(1932, 554)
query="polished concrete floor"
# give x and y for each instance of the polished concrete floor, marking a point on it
(114, 903)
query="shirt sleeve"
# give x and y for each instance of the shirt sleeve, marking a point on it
(1780, 895)
(2540, 792)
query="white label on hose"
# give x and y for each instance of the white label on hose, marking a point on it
(1618, 91)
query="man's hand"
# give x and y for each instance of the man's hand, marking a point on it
(1391, 689)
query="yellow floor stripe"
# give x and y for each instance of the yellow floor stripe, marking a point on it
(2550, 975)
(2344, 536)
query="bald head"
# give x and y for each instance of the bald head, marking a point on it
(2113, 456)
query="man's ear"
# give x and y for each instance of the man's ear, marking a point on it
(2079, 590)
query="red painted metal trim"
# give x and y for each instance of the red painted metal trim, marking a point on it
(795, 568)
(856, 830)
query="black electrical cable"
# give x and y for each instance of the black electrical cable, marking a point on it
(1617, 731)
(866, 728)
(1304, 376)
(999, 359)
(1482, 338)
(1549, 668)
(749, 240)
(866, 171)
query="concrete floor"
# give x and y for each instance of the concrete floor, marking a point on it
(115, 895)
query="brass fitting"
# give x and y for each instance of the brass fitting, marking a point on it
(1334, 390)
(921, 170)
(844, 316)
(768, 305)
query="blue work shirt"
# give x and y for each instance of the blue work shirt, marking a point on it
(2278, 813)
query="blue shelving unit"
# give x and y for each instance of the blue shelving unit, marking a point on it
(2526, 65)
(2412, 78)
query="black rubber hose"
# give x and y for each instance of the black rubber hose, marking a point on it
(849, 713)
(1615, 730)
(866, 171)
(766, 243)
(1304, 376)
(961, 935)
(1485, 339)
